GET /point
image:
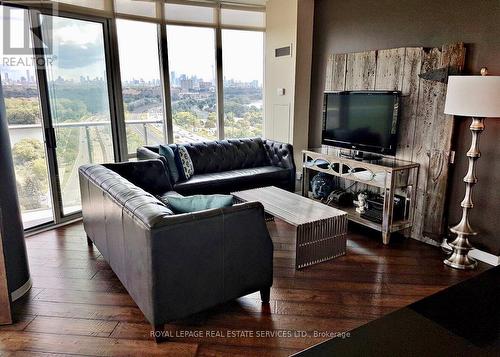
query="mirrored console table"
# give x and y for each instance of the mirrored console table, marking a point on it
(387, 176)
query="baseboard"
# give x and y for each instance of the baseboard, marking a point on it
(477, 254)
(485, 257)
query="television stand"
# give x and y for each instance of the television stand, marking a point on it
(360, 156)
(387, 176)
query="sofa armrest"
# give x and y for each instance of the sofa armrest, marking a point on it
(281, 155)
(209, 259)
(144, 153)
(150, 175)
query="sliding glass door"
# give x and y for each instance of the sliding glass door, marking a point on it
(24, 119)
(79, 101)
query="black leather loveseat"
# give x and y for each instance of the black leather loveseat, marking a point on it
(232, 165)
(173, 265)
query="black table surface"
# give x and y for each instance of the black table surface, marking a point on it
(462, 320)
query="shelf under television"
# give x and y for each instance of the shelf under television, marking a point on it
(353, 216)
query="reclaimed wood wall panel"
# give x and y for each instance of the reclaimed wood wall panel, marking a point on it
(409, 89)
(425, 133)
(336, 70)
(440, 147)
(390, 67)
(360, 70)
(426, 109)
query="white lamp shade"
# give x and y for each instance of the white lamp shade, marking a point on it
(473, 96)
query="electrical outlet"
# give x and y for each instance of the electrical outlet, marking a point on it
(452, 157)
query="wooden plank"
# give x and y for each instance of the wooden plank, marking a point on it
(5, 309)
(339, 72)
(336, 70)
(78, 284)
(360, 70)
(80, 311)
(437, 180)
(390, 69)
(409, 103)
(331, 309)
(19, 323)
(62, 326)
(329, 72)
(78, 273)
(97, 346)
(86, 297)
(427, 103)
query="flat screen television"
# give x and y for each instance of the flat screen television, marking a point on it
(361, 120)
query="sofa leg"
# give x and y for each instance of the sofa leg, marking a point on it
(265, 295)
(159, 333)
(89, 242)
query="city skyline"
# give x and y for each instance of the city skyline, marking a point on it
(18, 76)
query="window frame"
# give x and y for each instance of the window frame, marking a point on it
(162, 23)
(118, 127)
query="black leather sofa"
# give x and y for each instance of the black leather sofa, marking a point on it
(232, 165)
(173, 265)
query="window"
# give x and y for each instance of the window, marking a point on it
(141, 84)
(192, 82)
(79, 101)
(243, 68)
(67, 120)
(24, 120)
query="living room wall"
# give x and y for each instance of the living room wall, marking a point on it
(358, 25)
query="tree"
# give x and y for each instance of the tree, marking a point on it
(26, 151)
(22, 111)
(211, 121)
(186, 120)
(31, 172)
(253, 117)
(70, 110)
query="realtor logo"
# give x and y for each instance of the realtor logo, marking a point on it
(17, 29)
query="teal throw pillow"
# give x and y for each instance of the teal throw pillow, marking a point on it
(167, 152)
(198, 202)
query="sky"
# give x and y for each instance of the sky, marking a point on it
(78, 49)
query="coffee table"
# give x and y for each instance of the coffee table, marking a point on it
(320, 229)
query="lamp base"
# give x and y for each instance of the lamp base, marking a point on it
(459, 259)
(462, 262)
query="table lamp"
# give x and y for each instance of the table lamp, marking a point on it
(477, 97)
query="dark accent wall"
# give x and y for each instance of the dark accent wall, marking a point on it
(359, 25)
(14, 248)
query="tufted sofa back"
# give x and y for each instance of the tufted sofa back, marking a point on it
(226, 155)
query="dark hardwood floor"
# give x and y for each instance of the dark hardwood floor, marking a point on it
(77, 305)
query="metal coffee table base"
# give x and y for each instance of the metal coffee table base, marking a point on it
(320, 229)
(319, 241)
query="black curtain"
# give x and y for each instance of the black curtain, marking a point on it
(14, 247)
